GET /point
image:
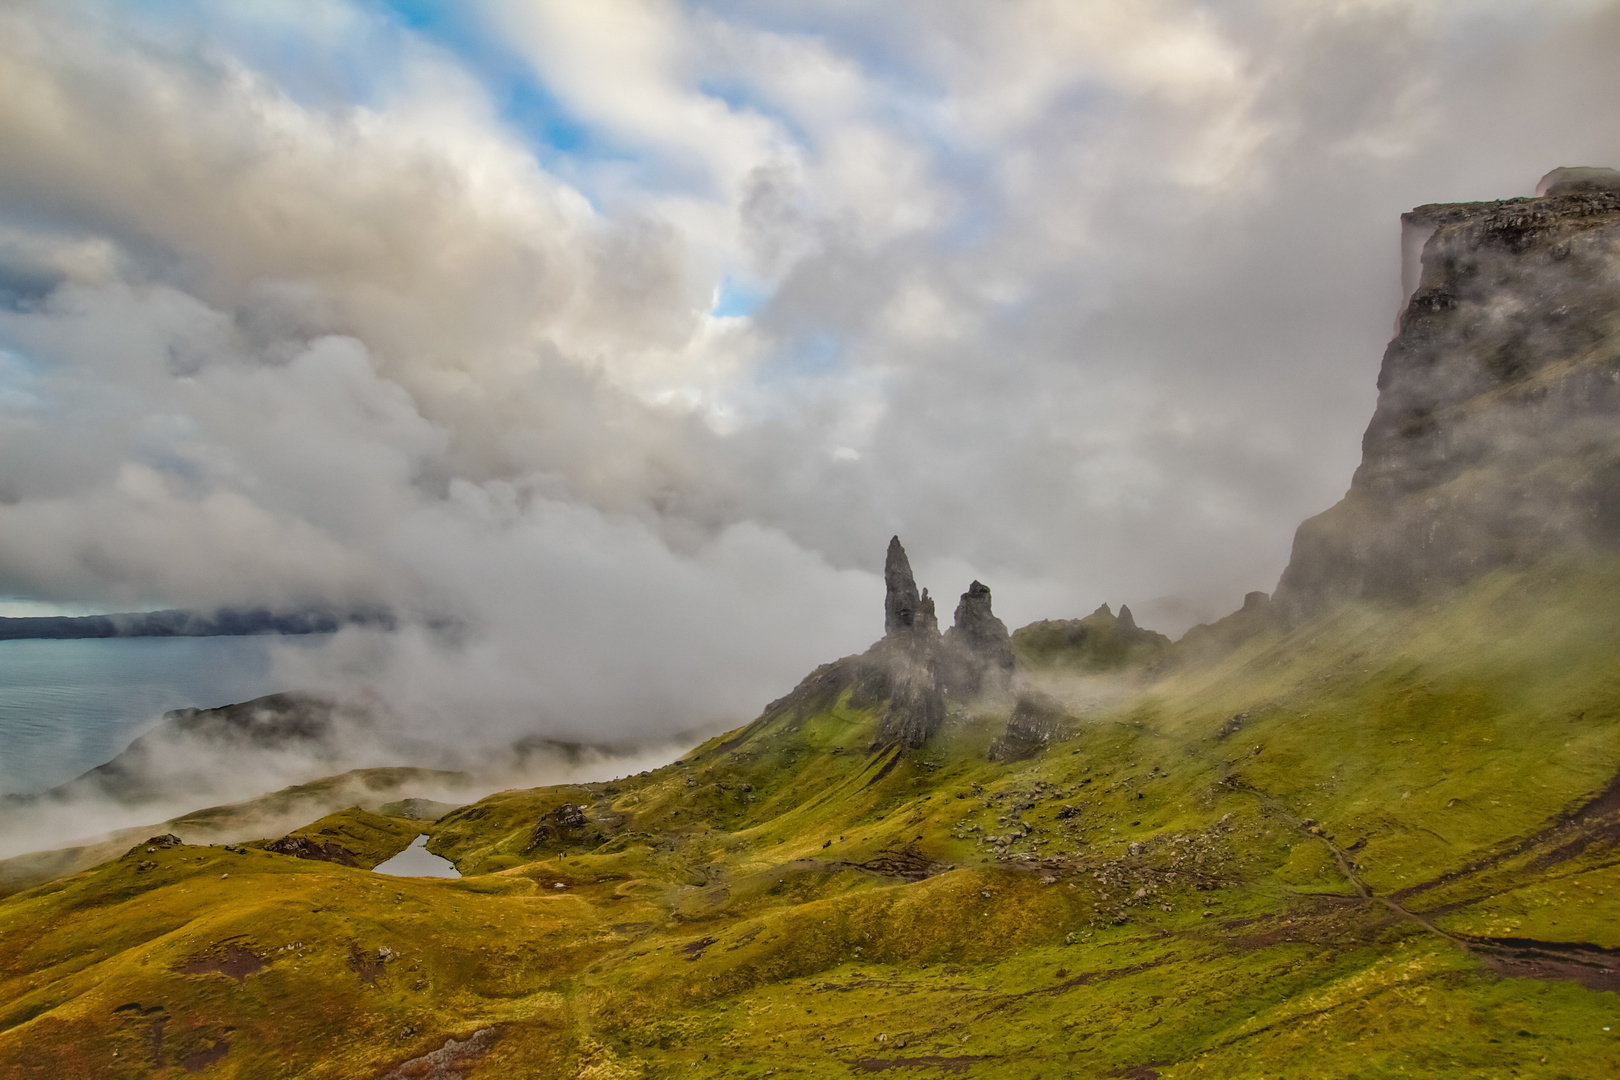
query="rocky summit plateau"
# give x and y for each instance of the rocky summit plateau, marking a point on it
(1367, 826)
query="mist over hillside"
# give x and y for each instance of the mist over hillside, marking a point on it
(619, 338)
(786, 511)
(1366, 827)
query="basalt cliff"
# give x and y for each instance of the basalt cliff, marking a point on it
(1496, 438)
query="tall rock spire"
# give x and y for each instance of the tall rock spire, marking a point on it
(927, 621)
(900, 600)
(900, 668)
(979, 654)
(974, 620)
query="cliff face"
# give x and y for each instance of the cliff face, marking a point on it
(1495, 440)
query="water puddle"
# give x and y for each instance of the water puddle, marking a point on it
(417, 861)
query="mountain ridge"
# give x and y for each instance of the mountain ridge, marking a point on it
(222, 622)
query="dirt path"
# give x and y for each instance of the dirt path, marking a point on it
(1593, 966)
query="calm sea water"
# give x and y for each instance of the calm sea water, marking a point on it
(68, 706)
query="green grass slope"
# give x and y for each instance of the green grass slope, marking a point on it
(376, 789)
(1098, 642)
(1381, 844)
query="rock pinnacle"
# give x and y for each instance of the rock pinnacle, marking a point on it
(900, 600)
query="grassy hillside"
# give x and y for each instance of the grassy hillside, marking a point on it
(1381, 844)
(376, 789)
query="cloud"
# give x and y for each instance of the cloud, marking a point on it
(1084, 300)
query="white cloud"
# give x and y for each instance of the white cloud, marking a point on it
(1084, 300)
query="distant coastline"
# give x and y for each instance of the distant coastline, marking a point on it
(226, 622)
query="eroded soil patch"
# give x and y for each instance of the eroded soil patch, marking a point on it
(694, 949)
(905, 862)
(198, 1060)
(948, 1064)
(236, 961)
(1592, 966)
(369, 969)
(1595, 821)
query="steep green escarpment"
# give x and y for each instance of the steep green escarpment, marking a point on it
(1344, 835)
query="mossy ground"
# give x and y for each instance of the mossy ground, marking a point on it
(271, 813)
(1356, 849)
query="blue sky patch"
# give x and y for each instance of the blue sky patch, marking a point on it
(17, 381)
(732, 300)
(521, 98)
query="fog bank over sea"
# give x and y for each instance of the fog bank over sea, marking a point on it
(68, 706)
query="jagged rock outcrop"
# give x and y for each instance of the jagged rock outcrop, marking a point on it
(901, 673)
(1037, 721)
(302, 847)
(978, 654)
(563, 823)
(916, 705)
(902, 670)
(1579, 180)
(913, 669)
(900, 598)
(977, 625)
(927, 620)
(1495, 440)
(1102, 641)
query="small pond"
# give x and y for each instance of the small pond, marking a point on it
(417, 861)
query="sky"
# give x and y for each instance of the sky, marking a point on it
(607, 343)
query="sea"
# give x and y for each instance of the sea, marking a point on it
(68, 706)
